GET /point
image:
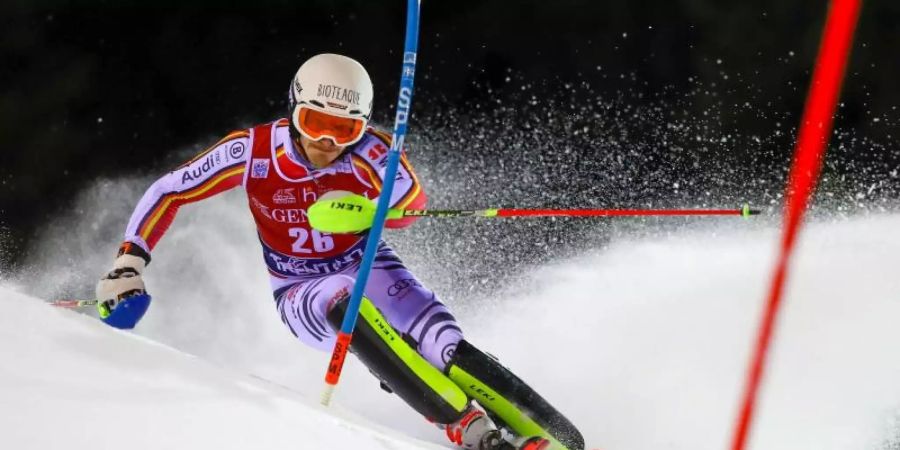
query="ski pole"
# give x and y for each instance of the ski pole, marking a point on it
(354, 213)
(744, 211)
(404, 101)
(74, 303)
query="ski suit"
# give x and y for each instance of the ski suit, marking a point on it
(308, 270)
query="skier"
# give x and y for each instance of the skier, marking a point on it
(404, 335)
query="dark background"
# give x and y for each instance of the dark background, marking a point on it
(619, 103)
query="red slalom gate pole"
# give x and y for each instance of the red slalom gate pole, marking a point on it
(815, 132)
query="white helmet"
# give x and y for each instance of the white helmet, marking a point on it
(331, 84)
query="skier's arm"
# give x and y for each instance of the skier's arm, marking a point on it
(407, 193)
(217, 169)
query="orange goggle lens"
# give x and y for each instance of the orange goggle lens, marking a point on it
(317, 125)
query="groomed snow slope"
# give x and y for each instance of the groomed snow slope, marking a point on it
(67, 381)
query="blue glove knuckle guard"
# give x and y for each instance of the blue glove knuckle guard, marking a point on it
(128, 312)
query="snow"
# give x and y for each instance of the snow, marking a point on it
(644, 344)
(69, 381)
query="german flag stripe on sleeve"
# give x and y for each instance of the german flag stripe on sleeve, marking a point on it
(232, 135)
(170, 201)
(414, 190)
(368, 169)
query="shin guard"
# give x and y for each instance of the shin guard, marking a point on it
(399, 367)
(509, 399)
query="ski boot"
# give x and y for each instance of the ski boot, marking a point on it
(476, 431)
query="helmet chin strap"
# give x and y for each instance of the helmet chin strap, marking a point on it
(295, 134)
(298, 145)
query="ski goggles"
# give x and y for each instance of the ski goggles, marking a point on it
(318, 125)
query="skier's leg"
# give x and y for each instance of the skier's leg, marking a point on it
(312, 310)
(303, 307)
(422, 386)
(428, 325)
(413, 309)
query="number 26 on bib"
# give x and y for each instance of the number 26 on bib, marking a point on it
(320, 242)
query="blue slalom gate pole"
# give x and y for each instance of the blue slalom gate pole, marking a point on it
(404, 102)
